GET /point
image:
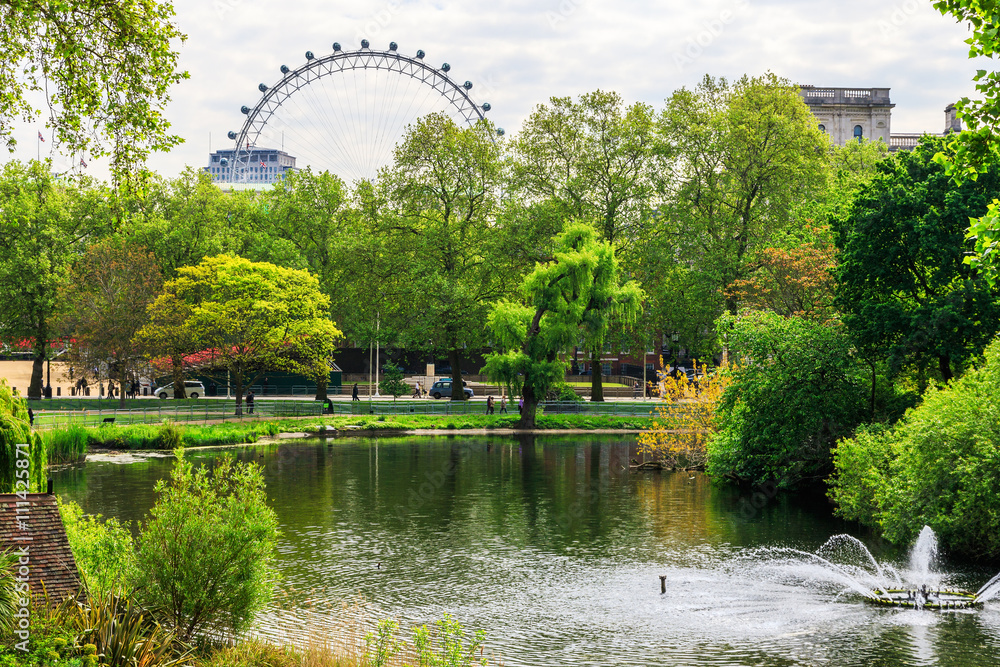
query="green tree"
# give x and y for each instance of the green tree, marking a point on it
(443, 196)
(392, 382)
(795, 389)
(23, 457)
(242, 318)
(104, 306)
(104, 67)
(580, 283)
(45, 226)
(906, 293)
(593, 160)
(206, 555)
(939, 466)
(743, 155)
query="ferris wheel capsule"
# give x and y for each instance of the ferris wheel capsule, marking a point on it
(284, 69)
(467, 85)
(336, 46)
(309, 55)
(420, 54)
(446, 67)
(500, 131)
(224, 161)
(245, 109)
(262, 88)
(364, 44)
(487, 106)
(393, 46)
(231, 134)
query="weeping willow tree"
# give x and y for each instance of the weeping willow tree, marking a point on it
(15, 429)
(564, 298)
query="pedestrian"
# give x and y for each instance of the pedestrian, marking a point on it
(520, 405)
(250, 402)
(503, 404)
(489, 405)
(354, 393)
(416, 391)
(31, 417)
(111, 389)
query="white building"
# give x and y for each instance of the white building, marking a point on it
(266, 166)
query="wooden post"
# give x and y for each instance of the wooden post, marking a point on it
(663, 584)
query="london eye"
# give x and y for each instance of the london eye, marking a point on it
(343, 112)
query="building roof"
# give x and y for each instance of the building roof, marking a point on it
(41, 529)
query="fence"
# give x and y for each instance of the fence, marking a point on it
(221, 411)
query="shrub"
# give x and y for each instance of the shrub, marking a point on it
(15, 430)
(205, 556)
(104, 550)
(795, 390)
(446, 647)
(8, 592)
(939, 466)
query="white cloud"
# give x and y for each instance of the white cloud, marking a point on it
(518, 53)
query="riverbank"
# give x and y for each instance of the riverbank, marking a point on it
(72, 444)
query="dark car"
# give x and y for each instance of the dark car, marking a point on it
(442, 388)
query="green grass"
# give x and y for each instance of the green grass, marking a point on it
(467, 422)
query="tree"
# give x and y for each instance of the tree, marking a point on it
(579, 284)
(45, 225)
(242, 318)
(392, 381)
(795, 389)
(23, 455)
(743, 154)
(104, 307)
(105, 68)
(905, 290)
(593, 159)
(205, 557)
(443, 199)
(938, 466)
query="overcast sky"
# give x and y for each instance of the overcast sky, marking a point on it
(518, 53)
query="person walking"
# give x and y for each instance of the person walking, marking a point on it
(520, 405)
(503, 404)
(416, 391)
(250, 402)
(489, 405)
(354, 393)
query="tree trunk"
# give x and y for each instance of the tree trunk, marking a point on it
(178, 374)
(457, 388)
(527, 421)
(35, 388)
(596, 379)
(238, 386)
(945, 367)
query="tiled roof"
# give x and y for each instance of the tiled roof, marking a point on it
(40, 528)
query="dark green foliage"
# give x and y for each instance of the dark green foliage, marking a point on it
(796, 389)
(905, 290)
(392, 381)
(939, 466)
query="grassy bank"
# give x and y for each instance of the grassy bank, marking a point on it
(67, 445)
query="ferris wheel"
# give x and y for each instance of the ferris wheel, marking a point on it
(343, 113)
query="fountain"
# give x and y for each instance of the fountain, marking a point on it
(845, 564)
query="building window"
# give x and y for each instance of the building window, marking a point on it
(822, 128)
(215, 158)
(858, 132)
(272, 158)
(606, 368)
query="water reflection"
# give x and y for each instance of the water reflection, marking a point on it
(555, 548)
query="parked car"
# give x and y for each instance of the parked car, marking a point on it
(192, 388)
(443, 388)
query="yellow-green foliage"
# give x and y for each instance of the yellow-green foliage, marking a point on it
(15, 430)
(103, 550)
(939, 466)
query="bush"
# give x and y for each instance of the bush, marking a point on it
(104, 550)
(795, 390)
(15, 430)
(939, 466)
(205, 556)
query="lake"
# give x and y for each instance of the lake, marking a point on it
(556, 549)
